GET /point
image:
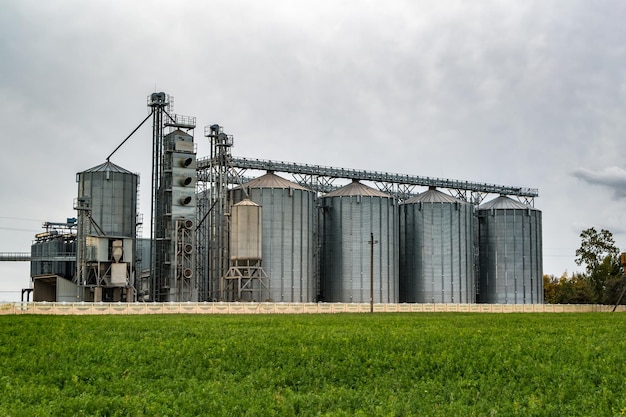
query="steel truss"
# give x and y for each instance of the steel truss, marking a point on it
(245, 277)
(212, 212)
(184, 262)
(321, 179)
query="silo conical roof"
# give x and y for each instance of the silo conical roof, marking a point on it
(271, 180)
(247, 202)
(356, 188)
(108, 166)
(504, 202)
(433, 196)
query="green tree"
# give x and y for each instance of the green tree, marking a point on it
(568, 290)
(601, 258)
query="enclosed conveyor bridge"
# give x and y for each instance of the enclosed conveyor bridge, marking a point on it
(27, 257)
(320, 178)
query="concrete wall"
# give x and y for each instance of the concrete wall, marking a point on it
(289, 308)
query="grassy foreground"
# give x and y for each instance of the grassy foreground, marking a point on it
(314, 365)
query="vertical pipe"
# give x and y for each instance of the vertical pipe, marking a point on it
(371, 272)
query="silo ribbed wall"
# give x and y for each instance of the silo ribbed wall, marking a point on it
(511, 269)
(346, 251)
(437, 252)
(112, 195)
(288, 238)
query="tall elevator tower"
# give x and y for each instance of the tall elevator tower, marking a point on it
(173, 203)
(223, 274)
(212, 236)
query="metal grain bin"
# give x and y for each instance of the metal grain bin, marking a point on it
(436, 249)
(510, 252)
(350, 215)
(289, 235)
(109, 193)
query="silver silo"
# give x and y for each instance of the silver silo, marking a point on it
(106, 233)
(351, 215)
(289, 235)
(436, 249)
(110, 194)
(510, 252)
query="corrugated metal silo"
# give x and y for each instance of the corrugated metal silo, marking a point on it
(351, 215)
(106, 232)
(511, 267)
(289, 235)
(436, 249)
(109, 192)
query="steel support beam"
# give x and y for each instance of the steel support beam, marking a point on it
(320, 178)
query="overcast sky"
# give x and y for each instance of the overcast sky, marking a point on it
(522, 93)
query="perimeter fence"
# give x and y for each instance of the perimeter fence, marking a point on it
(65, 308)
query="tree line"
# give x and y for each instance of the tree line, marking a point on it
(603, 280)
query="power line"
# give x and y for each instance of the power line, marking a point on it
(20, 218)
(15, 229)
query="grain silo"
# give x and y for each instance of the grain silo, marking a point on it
(289, 235)
(510, 252)
(436, 249)
(245, 280)
(351, 215)
(106, 232)
(246, 233)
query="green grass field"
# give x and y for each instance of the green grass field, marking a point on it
(449, 364)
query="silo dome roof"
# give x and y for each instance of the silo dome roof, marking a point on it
(271, 180)
(108, 166)
(504, 202)
(356, 188)
(247, 202)
(433, 196)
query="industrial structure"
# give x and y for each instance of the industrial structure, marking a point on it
(173, 204)
(296, 233)
(289, 225)
(437, 242)
(510, 253)
(107, 212)
(359, 256)
(53, 262)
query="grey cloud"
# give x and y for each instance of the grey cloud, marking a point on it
(612, 177)
(513, 93)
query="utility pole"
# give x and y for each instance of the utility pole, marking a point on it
(372, 242)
